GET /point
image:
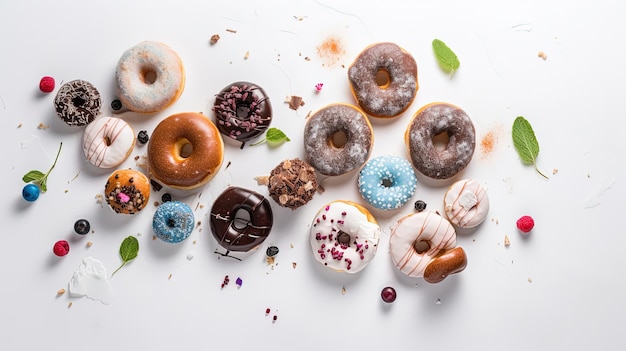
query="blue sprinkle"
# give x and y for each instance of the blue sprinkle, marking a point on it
(387, 182)
(173, 221)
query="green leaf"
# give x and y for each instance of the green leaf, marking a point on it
(33, 176)
(274, 137)
(128, 251)
(445, 56)
(526, 143)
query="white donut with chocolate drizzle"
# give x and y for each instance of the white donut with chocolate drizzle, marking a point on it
(344, 236)
(108, 141)
(466, 203)
(418, 239)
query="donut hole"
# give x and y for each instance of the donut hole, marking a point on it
(440, 141)
(338, 139)
(343, 238)
(241, 220)
(148, 75)
(383, 79)
(107, 141)
(421, 246)
(243, 111)
(386, 182)
(78, 101)
(184, 148)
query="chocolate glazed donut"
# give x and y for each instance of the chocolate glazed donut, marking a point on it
(242, 111)
(240, 234)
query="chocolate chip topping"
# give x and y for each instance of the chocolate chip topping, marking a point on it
(292, 183)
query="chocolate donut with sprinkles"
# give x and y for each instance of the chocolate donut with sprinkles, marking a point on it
(77, 103)
(242, 111)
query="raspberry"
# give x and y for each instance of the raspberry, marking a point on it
(46, 84)
(61, 248)
(525, 224)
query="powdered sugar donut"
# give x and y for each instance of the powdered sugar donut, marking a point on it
(466, 203)
(419, 241)
(108, 141)
(384, 80)
(344, 236)
(150, 77)
(337, 139)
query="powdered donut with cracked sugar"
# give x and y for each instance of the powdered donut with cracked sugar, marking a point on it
(466, 203)
(108, 141)
(432, 120)
(344, 236)
(292, 183)
(383, 79)
(337, 139)
(422, 240)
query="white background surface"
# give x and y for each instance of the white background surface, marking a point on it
(559, 287)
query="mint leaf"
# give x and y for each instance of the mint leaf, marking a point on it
(526, 143)
(128, 251)
(39, 177)
(274, 137)
(446, 58)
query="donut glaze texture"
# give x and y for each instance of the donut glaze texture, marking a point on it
(318, 133)
(242, 111)
(173, 221)
(430, 121)
(398, 94)
(387, 182)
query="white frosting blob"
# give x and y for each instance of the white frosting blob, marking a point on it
(90, 280)
(467, 200)
(466, 203)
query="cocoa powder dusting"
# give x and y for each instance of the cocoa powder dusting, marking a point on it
(330, 51)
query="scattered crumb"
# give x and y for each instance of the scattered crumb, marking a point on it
(69, 305)
(294, 264)
(154, 237)
(227, 165)
(137, 158)
(43, 126)
(507, 242)
(194, 242)
(270, 260)
(247, 55)
(262, 180)
(542, 55)
(169, 276)
(306, 58)
(99, 198)
(19, 125)
(231, 30)
(291, 246)
(530, 280)
(189, 257)
(555, 171)
(214, 39)
(60, 292)
(89, 244)
(66, 191)
(438, 301)
(298, 18)
(343, 290)
(294, 102)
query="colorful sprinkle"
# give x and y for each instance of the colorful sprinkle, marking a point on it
(318, 86)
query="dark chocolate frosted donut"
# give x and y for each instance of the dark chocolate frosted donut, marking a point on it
(337, 139)
(242, 111)
(384, 80)
(77, 103)
(292, 183)
(241, 233)
(434, 119)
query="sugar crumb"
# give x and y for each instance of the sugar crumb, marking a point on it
(507, 242)
(42, 126)
(542, 55)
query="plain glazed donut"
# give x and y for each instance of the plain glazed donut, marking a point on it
(387, 182)
(292, 183)
(77, 103)
(466, 203)
(185, 151)
(242, 111)
(344, 236)
(421, 245)
(430, 121)
(394, 93)
(127, 191)
(237, 231)
(108, 141)
(150, 77)
(337, 139)
(173, 221)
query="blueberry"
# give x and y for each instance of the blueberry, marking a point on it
(271, 251)
(388, 294)
(82, 226)
(116, 105)
(143, 137)
(30, 192)
(166, 197)
(420, 205)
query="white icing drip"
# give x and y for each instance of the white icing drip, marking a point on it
(422, 226)
(108, 141)
(90, 280)
(466, 203)
(141, 96)
(364, 235)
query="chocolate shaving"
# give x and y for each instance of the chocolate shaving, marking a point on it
(294, 102)
(214, 39)
(292, 183)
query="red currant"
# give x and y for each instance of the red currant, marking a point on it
(388, 294)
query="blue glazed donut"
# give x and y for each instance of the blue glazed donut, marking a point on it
(173, 221)
(387, 182)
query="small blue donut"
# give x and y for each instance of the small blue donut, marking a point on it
(173, 221)
(387, 182)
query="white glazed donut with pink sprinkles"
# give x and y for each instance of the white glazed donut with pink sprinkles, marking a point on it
(344, 236)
